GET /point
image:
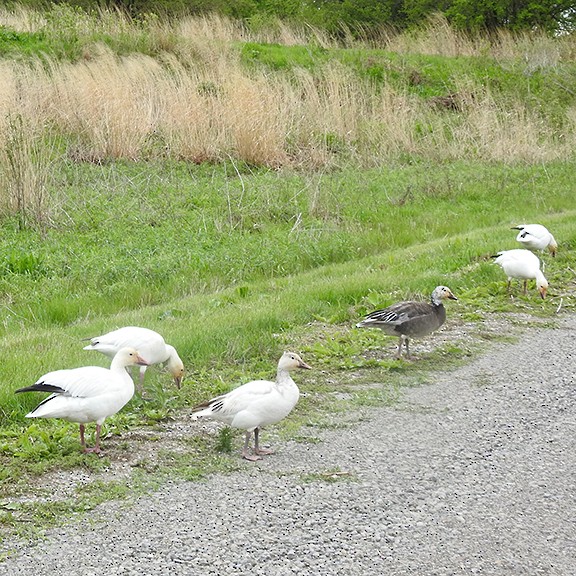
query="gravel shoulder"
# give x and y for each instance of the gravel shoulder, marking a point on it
(473, 473)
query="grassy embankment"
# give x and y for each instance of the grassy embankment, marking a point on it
(242, 197)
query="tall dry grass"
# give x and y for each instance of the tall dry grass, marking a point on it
(21, 19)
(25, 171)
(198, 102)
(437, 37)
(138, 107)
(106, 107)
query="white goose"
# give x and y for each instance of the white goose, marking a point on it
(523, 265)
(256, 404)
(87, 394)
(149, 343)
(536, 237)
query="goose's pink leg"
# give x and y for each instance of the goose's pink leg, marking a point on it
(96, 448)
(82, 439)
(257, 449)
(246, 450)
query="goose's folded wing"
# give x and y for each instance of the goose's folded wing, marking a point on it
(399, 313)
(85, 382)
(139, 338)
(386, 316)
(418, 310)
(238, 399)
(105, 344)
(132, 336)
(523, 236)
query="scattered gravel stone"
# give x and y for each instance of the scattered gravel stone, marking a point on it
(472, 473)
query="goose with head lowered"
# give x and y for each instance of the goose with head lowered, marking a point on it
(536, 237)
(87, 394)
(410, 319)
(522, 265)
(148, 342)
(256, 404)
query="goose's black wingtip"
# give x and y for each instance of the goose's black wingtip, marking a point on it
(41, 387)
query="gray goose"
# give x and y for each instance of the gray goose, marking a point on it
(410, 319)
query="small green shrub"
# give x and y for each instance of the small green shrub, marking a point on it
(17, 44)
(28, 263)
(225, 440)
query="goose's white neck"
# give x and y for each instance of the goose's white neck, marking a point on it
(117, 364)
(171, 354)
(540, 279)
(283, 376)
(119, 367)
(286, 387)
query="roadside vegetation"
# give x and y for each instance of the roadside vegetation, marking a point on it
(244, 191)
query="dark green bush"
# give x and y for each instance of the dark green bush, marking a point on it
(363, 17)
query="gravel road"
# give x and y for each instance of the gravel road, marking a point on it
(473, 473)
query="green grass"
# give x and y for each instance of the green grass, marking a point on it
(229, 292)
(176, 231)
(362, 241)
(244, 259)
(22, 44)
(69, 33)
(428, 76)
